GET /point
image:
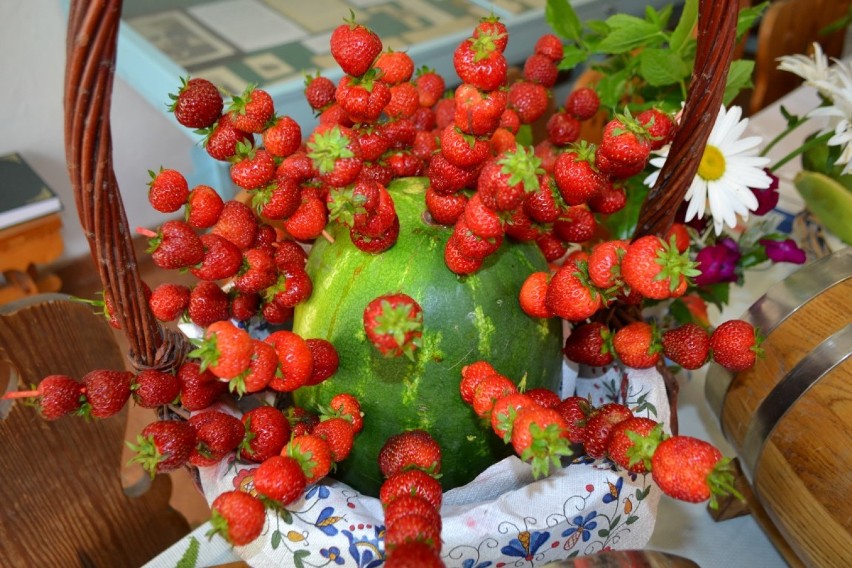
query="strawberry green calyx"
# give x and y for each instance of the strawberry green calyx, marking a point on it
(244, 151)
(238, 103)
(206, 351)
(522, 166)
(585, 152)
(219, 525)
(147, 454)
(397, 322)
(629, 125)
(644, 446)
(547, 447)
(484, 45)
(327, 147)
(721, 482)
(344, 204)
(674, 264)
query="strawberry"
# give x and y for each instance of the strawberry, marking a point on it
(59, 395)
(575, 410)
(237, 516)
(336, 154)
(345, 405)
(624, 148)
(582, 103)
(605, 264)
(197, 104)
(631, 443)
(396, 67)
(412, 449)
(544, 397)
(242, 307)
(208, 303)
(163, 445)
(551, 46)
(295, 359)
(571, 296)
(543, 205)
(251, 111)
(463, 150)
(691, 470)
(472, 245)
(735, 345)
(354, 47)
(198, 389)
(340, 435)
(479, 62)
(533, 295)
(529, 100)
(308, 221)
(540, 437)
(261, 370)
(237, 223)
(687, 345)
(266, 433)
(430, 86)
(445, 177)
(577, 179)
(576, 225)
(660, 126)
(168, 301)
(281, 479)
(362, 98)
(504, 412)
(541, 69)
(587, 345)
(610, 199)
(217, 434)
(175, 245)
(472, 374)
(404, 163)
(319, 91)
(481, 219)
(504, 181)
(406, 505)
(167, 190)
(226, 349)
(456, 260)
(551, 246)
(413, 554)
(495, 30)
(445, 209)
(562, 128)
(599, 426)
(222, 258)
(106, 392)
(152, 388)
(313, 454)
(394, 324)
(680, 234)
(411, 482)
(655, 268)
(376, 245)
(282, 137)
(297, 166)
(287, 252)
(325, 360)
(203, 207)
(302, 421)
(276, 314)
(637, 345)
(404, 101)
(222, 139)
(489, 391)
(478, 112)
(258, 271)
(413, 528)
(400, 132)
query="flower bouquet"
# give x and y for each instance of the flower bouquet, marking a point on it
(379, 321)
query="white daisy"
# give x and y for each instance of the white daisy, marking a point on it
(837, 88)
(729, 167)
(811, 69)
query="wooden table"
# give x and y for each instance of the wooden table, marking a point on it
(23, 248)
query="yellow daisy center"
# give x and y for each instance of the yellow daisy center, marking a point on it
(712, 165)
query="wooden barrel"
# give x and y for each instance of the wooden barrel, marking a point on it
(790, 416)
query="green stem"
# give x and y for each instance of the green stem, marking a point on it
(790, 128)
(802, 149)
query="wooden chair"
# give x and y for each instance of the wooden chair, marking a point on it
(61, 494)
(790, 27)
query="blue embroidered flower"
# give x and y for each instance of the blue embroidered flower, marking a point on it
(318, 491)
(526, 545)
(614, 491)
(325, 521)
(364, 550)
(332, 554)
(583, 526)
(469, 563)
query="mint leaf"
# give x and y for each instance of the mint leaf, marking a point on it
(572, 56)
(190, 557)
(662, 67)
(739, 77)
(611, 88)
(748, 16)
(563, 19)
(629, 32)
(683, 31)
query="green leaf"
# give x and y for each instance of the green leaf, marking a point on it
(276, 539)
(748, 16)
(190, 557)
(739, 77)
(298, 557)
(524, 136)
(682, 33)
(563, 20)
(642, 493)
(603, 533)
(716, 294)
(629, 32)
(680, 312)
(572, 56)
(611, 88)
(631, 519)
(662, 67)
(614, 522)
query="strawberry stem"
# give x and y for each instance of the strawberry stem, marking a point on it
(19, 394)
(327, 236)
(146, 232)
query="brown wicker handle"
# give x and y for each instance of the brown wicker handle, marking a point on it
(91, 50)
(717, 27)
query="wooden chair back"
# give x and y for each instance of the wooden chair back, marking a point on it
(61, 493)
(790, 27)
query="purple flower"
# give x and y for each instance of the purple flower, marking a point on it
(767, 198)
(718, 263)
(783, 251)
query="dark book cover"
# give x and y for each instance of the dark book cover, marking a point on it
(23, 194)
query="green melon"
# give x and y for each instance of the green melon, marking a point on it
(465, 319)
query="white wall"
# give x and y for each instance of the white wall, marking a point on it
(32, 67)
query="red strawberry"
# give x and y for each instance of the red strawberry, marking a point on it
(394, 324)
(551, 46)
(287, 251)
(576, 177)
(551, 247)
(226, 349)
(400, 132)
(735, 345)
(282, 137)
(325, 360)
(238, 516)
(599, 426)
(221, 259)
(494, 29)
(575, 410)
(404, 101)
(174, 246)
(153, 388)
(582, 103)
(345, 405)
(295, 358)
(504, 412)
(208, 303)
(362, 98)
(529, 100)
(198, 389)
(478, 112)
(637, 344)
(336, 154)
(490, 390)
(221, 142)
(691, 470)
(533, 295)
(266, 433)
(106, 392)
(243, 307)
(680, 234)
(445, 209)
(472, 374)
(237, 223)
(632, 441)
(314, 455)
(456, 260)
(587, 345)
(262, 369)
(504, 181)
(339, 433)
(576, 225)
(611, 198)
(687, 345)
(479, 62)
(203, 207)
(461, 149)
(404, 163)
(412, 528)
(376, 245)
(168, 301)
(396, 66)
(430, 86)
(217, 434)
(258, 271)
(562, 128)
(543, 397)
(605, 264)
(167, 190)
(413, 554)
(571, 296)
(281, 479)
(163, 445)
(660, 126)
(297, 166)
(308, 221)
(541, 69)
(655, 268)
(302, 421)
(624, 148)
(412, 449)
(406, 505)
(59, 395)
(411, 482)
(252, 110)
(354, 47)
(319, 91)
(198, 103)
(540, 437)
